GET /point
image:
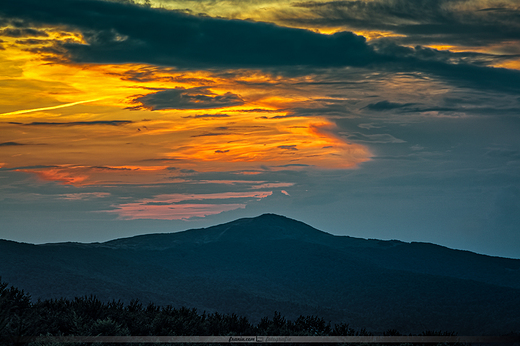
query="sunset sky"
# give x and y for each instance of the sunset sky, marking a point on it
(388, 119)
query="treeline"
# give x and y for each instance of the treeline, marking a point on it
(88, 316)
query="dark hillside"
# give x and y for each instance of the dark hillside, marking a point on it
(256, 266)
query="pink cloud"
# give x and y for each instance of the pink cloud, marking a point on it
(172, 206)
(168, 212)
(272, 185)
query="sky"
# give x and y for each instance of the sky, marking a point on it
(386, 119)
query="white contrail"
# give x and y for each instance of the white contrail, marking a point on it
(53, 107)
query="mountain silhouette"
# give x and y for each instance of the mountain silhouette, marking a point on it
(255, 266)
(266, 227)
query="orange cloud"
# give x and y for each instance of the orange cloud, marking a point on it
(512, 64)
(99, 175)
(63, 176)
(235, 138)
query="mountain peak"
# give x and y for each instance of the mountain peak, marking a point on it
(265, 227)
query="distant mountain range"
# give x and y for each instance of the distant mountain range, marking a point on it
(256, 266)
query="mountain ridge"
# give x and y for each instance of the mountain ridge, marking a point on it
(233, 231)
(355, 241)
(278, 227)
(254, 266)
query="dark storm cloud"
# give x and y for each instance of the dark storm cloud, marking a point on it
(449, 21)
(460, 73)
(389, 48)
(8, 144)
(194, 98)
(157, 203)
(330, 108)
(24, 32)
(27, 167)
(77, 123)
(387, 105)
(124, 33)
(32, 41)
(288, 147)
(256, 110)
(118, 32)
(104, 168)
(206, 116)
(294, 165)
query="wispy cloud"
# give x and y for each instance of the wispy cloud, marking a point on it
(182, 206)
(207, 116)
(193, 98)
(81, 196)
(272, 185)
(374, 138)
(76, 123)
